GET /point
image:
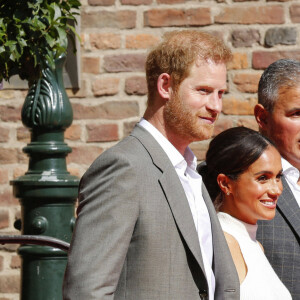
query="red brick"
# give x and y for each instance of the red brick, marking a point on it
(15, 262)
(91, 65)
(8, 156)
(141, 41)
(110, 110)
(249, 122)
(1, 262)
(7, 198)
(124, 19)
(84, 155)
(7, 94)
(4, 134)
(262, 59)
(10, 113)
(102, 132)
(251, 15)
(136, 85)
(295, 13)
(223, 123)
(3, 175)
(105, 41)
(239, 61)
(128, 126)
(246, 83)
(170, 1)
(77, 92)
(125, 62)
(9, 283)
(74, 171)
(177, 17)
(73, 133)
(200, 149)
(23, 134)
(19, 171)
(4, 219)
(101, 2)
(136, 2)
(235, 106)
(105, 86)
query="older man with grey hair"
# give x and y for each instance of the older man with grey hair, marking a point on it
(278, 116)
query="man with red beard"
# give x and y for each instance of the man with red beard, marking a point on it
(145, 228)
(278, 116)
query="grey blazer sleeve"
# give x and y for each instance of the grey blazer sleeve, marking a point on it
(107, 214)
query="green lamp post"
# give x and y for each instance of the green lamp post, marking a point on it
(47, 191)
(33, 40)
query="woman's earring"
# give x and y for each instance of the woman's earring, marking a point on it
(227, 193)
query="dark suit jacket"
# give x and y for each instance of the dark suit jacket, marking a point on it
(135, 237)
(281, 240)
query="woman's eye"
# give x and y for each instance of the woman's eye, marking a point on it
(262, 178)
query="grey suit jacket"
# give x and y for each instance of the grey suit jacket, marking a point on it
(281, 240)
(135, 237)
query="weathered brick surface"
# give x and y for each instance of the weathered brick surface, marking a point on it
(177, 17)
(245, 37)
(247, 83)
(9, 283)
(84, 155)
(283, 36)
(295, 13)
(253, 14)
(101, 2)
(141, 41)
(4, 134)
(115, 39)
(4, 219)
(105, 40)
(116, 19)
(239, 61)
(262, 59)
(102, 132)
(91, 65)
(3, 175)
(236, 106)
(124, 63)
(15, 262)
(136, 85)
(105, 86)
(73, 132)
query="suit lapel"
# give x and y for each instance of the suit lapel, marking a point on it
(289, 207)
(173, 191)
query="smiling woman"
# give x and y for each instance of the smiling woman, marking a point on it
(243, 175)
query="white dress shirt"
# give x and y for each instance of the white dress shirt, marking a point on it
(291, 174)
(185, 167)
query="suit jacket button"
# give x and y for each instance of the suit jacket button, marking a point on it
(203, 294)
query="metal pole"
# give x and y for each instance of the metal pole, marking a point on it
(47, 192)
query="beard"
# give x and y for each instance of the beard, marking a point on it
(184, 122)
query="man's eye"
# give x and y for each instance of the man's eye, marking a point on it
(296, 114)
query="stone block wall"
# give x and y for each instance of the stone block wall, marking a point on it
(115, 38)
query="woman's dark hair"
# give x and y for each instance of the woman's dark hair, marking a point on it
(231, 153)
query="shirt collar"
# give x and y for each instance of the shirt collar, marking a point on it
(174, 155)
(289, 170)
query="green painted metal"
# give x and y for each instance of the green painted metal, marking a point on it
(47, 192)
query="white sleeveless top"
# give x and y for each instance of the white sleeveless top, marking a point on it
(261, 281)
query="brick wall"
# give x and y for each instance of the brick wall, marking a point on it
(116, 35)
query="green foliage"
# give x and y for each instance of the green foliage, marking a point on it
(33, 33)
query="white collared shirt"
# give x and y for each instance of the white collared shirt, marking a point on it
(191, 182)
(291, 175)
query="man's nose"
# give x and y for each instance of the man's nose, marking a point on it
(215, 102)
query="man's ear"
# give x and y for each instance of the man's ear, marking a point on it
(261, 116)
(224, 183)
(164, 85)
